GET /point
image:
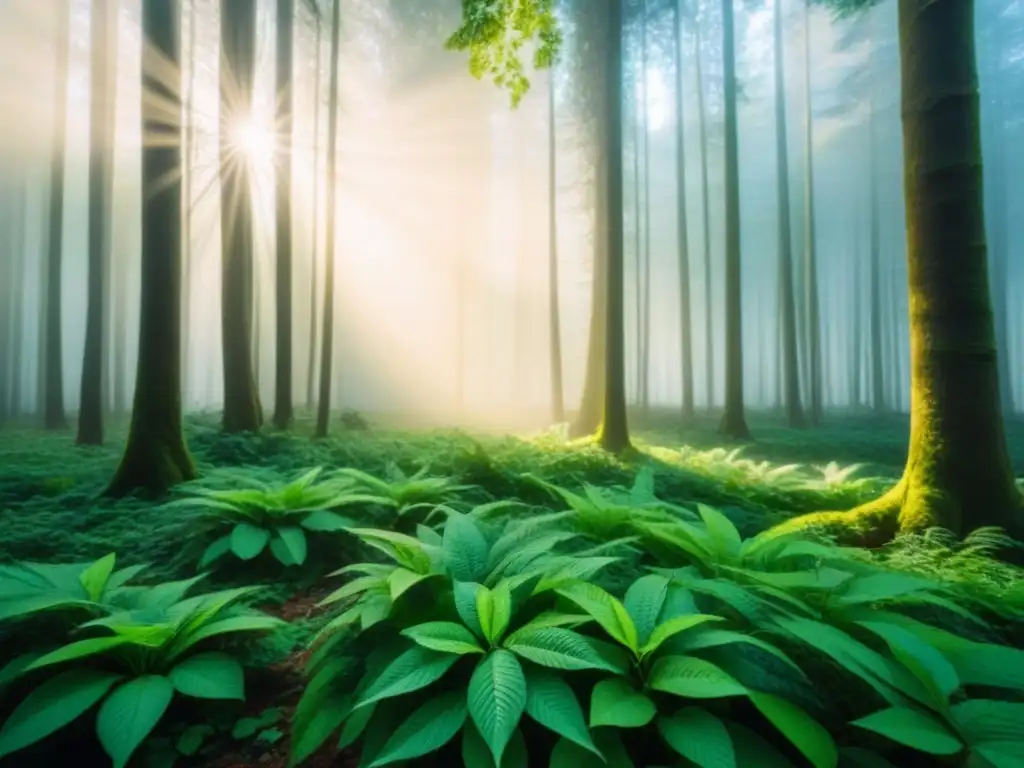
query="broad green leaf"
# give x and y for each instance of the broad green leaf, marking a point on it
(876, 587)
(692, 678)
(983, 720)
(616, 703)
(700, 737)
(216, 550)
(211, 675)
(644, 602)
(444, 636)
(355, 726)
(577, 569)
(925, 662)
(401, 580)
(751, 749)
(428, 729)
(557, 648)
(52, 705)
(248, 540)
(567, 754)
(129, 715)
(412, 671)
(673, 627)
(551, 702)
(713, 638)
(606, 610)
(81, 649)
(721, 531)
(464, 549)
(325, 521)
(497, 699)
(293, 545)
(355, 587)
(803, 731)
(465, 594)
(913, 728)
(245, 623)
(494, 608)
(94, 578)
(476, 753)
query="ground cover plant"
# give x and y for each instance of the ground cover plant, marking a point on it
(538, 601)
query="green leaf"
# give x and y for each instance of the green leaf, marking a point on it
(803, 731)
(700, 737)
(551, 702)
(192, 739)
(925, 662)
(557, 648)
(913, 728)
(722, 532)
(494, 608)
(290, 546)
(325, 521)
(444, 636)
(567, 754)
(476, 754)
(606, 610)
(693, 678)
(428, 729)
(497, 699)
(464, 549)
(673, 627)
(82, 649)
(55, 703)
(211, 675)
(248, 540)
(644, 601)
(412, 671)
(94, 578)
(401, 580)
(129, 715)
(355, 725)
(984, 720)
(216, 550)
(616, 703)
(465, 594)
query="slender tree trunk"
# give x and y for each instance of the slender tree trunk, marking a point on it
(958, 473)
(554, 316)
(638, 243)
(682, 228)
(878, 401)
(283, 359)
(189, 164)
(17, 305)
(7, 290)
(702, 120)
(242, 411)
(645, 332)
(790, 364)
(323, 413)
(90, 411)
(734, 422)
(811, 238)
(155, 457)
(614, 435)
(313, 290)
(857, 322)
(53, 405)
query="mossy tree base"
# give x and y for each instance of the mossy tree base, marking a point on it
(151, 468)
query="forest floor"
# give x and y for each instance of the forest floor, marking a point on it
(51, 510)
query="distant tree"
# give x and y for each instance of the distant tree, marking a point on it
(155, 457)
(90, 409)
(811, 239)
(283, 169)
(554, 318)
(53, 347)
(323, 411)
(314, 292)
(242, 409)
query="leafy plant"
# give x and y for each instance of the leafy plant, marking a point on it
(262, 515)
(406, 492)
(132, 664)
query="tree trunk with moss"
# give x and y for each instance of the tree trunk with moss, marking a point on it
(155, 457)
(958, 473)
(242, 410)
(734, 422)
(614, 432)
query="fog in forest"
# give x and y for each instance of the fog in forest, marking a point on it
(444, 214)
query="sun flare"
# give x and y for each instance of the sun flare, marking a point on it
(254, 141)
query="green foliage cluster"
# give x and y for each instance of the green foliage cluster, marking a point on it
(128, 649)
(495, 629)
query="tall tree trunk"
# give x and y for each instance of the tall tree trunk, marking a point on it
(155, 457)
(17, 304)
(323, 411)
(958, 473)
(810, 237)
(614, 435)
(283, 359)
(90, 410)
(645, 332)
(554, 316)
(313, 290)
(638, 243)
(790, 363)
(682, 228)
(999, 214)
(53, 404)
(734, 422)
(702, 121)
(242, 411)
(857, 321)
(7, 290)
(878, 400)
(189, 164)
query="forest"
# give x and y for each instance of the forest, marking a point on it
(509, 383)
